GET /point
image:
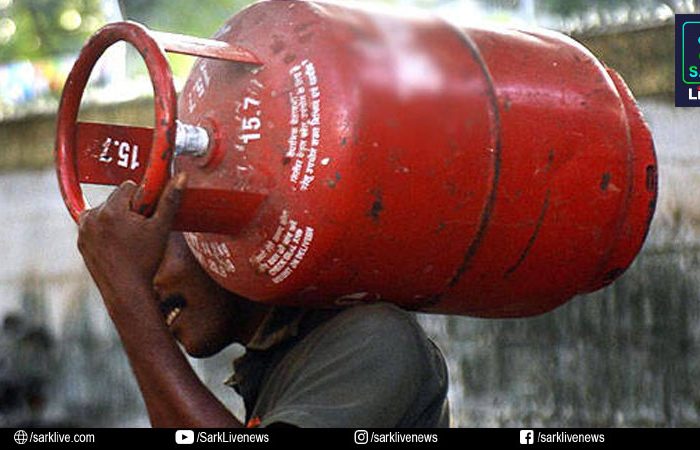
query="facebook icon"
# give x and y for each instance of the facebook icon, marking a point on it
(527, 437)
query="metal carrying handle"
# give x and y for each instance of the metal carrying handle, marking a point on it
(156, 175)
(167, 138)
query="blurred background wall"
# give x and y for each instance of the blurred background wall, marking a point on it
(625, 356)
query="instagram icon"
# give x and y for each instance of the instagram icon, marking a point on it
(361, 437)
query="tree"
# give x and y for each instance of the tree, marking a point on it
(201, 18)
(31, 29)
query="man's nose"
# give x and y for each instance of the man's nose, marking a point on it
(159, 282)
(168, 275)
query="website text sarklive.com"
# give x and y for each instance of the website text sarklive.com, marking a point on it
(55, 437)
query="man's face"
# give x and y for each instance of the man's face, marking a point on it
(201, 315)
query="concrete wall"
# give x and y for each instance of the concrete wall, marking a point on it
(61, 362)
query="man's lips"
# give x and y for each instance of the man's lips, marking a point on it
(171, 308)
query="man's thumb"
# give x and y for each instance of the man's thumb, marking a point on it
(169, 202)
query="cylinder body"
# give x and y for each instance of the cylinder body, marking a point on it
(492, 173)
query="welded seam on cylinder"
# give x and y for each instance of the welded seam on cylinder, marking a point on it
(625, 207)
(627, 201)
(533, 238)
(496, 140)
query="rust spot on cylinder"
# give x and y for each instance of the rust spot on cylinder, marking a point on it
(260, 18)
(507, 103)
(303, 27)
(605, 181)
(377, 205)
(451, 188)
(289, 58)
(333, 182)
(305, 38)
(277, 46)
(651, 181)
(550, 159)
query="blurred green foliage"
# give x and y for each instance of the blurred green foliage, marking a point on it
(199, 18)
(31, 29)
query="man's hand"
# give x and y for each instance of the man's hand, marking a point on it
(122, 248)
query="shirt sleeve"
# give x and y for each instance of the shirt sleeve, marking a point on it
(364, 368)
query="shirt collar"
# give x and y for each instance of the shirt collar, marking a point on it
(279, 324)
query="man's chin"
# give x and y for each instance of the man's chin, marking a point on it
(200, 349)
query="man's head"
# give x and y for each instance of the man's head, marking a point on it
(203, 316)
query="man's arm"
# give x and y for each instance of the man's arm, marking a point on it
(122, 251)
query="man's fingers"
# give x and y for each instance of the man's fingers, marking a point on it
(117, 203)
(170, 200)
(82, 217)
(121, 196)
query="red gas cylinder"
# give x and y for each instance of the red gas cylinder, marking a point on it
(344, 154)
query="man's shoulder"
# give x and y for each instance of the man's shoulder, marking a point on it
(380, 332)
(368, 365)
(379, 320)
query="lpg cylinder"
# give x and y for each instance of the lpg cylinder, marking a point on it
(343, 153)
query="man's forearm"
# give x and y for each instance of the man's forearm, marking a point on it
(174, 395)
